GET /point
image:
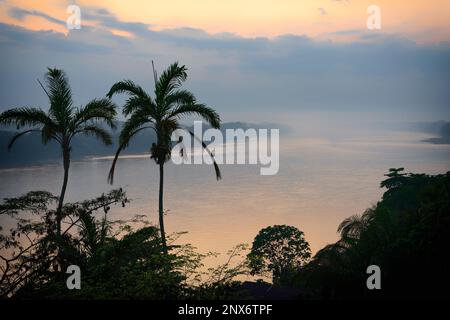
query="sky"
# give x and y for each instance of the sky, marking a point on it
(249, 59)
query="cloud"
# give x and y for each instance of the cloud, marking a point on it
(48, 41)
(107, 20)
(375, 73)
(20, 14)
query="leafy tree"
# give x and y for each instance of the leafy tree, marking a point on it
(278, 249)
(162, 114)
(395, 178)
(62, 122)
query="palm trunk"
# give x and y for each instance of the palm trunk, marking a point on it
(66, 164)
(161, 207)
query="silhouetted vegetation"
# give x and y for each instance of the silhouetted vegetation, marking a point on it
(62, 122)
(118, 259)
(280, 250)
(406, 234)
(162, 114)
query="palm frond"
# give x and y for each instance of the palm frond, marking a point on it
(216, 166)
(368, 215)
(127, 86)
(179, 97)
(135, 103)
(351, 227)
(96, 110)
(122, 146)
(89, 232)
(161, 113)
(137, 119)
(26, 116)
(18, 135)
(170, 80)
(60, 94)
(96, 131)
(207, 113)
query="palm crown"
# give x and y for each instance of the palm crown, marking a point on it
(162, 114)
(62, 122)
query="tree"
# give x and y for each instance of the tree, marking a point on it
(28, 254)
(406, 234)
(119, 259)
(279, 249)
(352, 227)
(62, 122)
(162, 115)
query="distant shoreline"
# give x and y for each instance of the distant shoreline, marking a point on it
(438, 140)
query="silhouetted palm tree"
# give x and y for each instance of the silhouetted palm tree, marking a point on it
(161, 114)
(62, 122)
(352, 227)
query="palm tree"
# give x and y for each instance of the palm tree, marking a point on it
(160, 114)
(351, 228)
(62, 122)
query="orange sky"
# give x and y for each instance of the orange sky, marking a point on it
(419, 20)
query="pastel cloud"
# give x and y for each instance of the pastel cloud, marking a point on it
(417, 19)
(376, 72)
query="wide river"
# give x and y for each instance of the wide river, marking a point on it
(320, 182)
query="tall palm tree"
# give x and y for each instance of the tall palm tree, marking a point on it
(161, 114)
(62, 122)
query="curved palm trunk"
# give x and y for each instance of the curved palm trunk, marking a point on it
(66, 164)
(161, 208)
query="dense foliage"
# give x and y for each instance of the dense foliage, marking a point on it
(406, 234)
(117, 259)
(281, 250)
